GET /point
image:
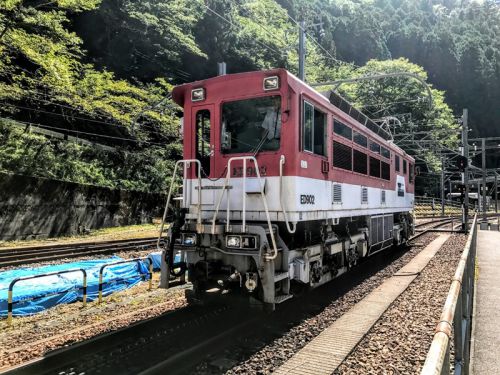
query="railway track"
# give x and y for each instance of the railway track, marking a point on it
(438, 222)
(33, 254)
(424, 228)
(213, 339)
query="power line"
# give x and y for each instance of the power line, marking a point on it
(71, 139)
(269, 33)
(390, 103)
(37, 97)
(62, 115)
(86, 133)
(65, 106)
(239, 27)
(319, 44)
(76, 117)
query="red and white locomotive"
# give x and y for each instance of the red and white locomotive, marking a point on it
(283, 186)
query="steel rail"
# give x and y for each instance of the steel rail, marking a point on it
(179, 340)
(14, 257)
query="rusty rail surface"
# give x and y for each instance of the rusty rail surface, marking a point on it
(456, 319)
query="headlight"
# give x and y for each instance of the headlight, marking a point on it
(197, 95)
(271, 83)
(233, 241)
(248, 242)
(189, 239)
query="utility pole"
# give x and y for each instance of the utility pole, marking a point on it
(483, 157)
(465, 142)
(302, 50)
(496, 193)
(221, 68)
(442, 186)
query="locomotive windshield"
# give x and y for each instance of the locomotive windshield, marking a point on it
(251, 125)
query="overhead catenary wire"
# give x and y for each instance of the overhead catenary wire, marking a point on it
(104, 148)
(76, 109)
(79, 118)
(36, 96)
(86, 133)
(239, 27)
(329, 55)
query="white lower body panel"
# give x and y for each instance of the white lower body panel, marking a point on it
(304, 199)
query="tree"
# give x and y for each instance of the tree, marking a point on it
(42, 74)
(434, 127)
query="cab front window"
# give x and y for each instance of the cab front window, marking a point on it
(251, 125)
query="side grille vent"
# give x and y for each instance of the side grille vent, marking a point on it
(337, 193)
(364, 195)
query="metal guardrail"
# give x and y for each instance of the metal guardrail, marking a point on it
(456, 317)
(138, 260)
(436, 202)
(431, 207)
(10, 303)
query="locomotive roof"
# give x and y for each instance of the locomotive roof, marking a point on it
(330, 98)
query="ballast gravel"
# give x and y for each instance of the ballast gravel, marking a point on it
(273, 355)
(398, 343)
(33, 336)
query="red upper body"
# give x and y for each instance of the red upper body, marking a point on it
(233, 115)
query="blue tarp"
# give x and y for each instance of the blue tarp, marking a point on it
(156, 259)
(66, 288)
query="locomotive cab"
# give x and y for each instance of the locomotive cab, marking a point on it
(274, 192)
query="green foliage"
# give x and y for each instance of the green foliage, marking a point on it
(26, 153)
(145, 39)
(41, 63)
(105, 66)
(407, 100)
(456, 42)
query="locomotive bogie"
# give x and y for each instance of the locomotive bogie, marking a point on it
(322, 252)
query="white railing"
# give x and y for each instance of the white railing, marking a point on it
(186, 164)
(292, 228)
(244, 196)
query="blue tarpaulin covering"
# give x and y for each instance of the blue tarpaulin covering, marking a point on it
(35, 295)
(156, 259)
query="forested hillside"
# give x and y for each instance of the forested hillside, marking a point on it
(101, 71)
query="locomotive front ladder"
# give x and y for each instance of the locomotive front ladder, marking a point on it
(244, 196)
(186, 164)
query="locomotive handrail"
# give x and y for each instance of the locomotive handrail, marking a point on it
(244, 190)
(285, 214)
(184, 162)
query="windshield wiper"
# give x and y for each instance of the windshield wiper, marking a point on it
(261, 143)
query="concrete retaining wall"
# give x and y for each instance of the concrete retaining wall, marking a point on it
(40, 208)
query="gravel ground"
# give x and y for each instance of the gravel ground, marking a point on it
(271, 356)
(33, 336)
(399, 341)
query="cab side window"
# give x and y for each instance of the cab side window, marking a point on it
(313, 129)
(203, 139)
